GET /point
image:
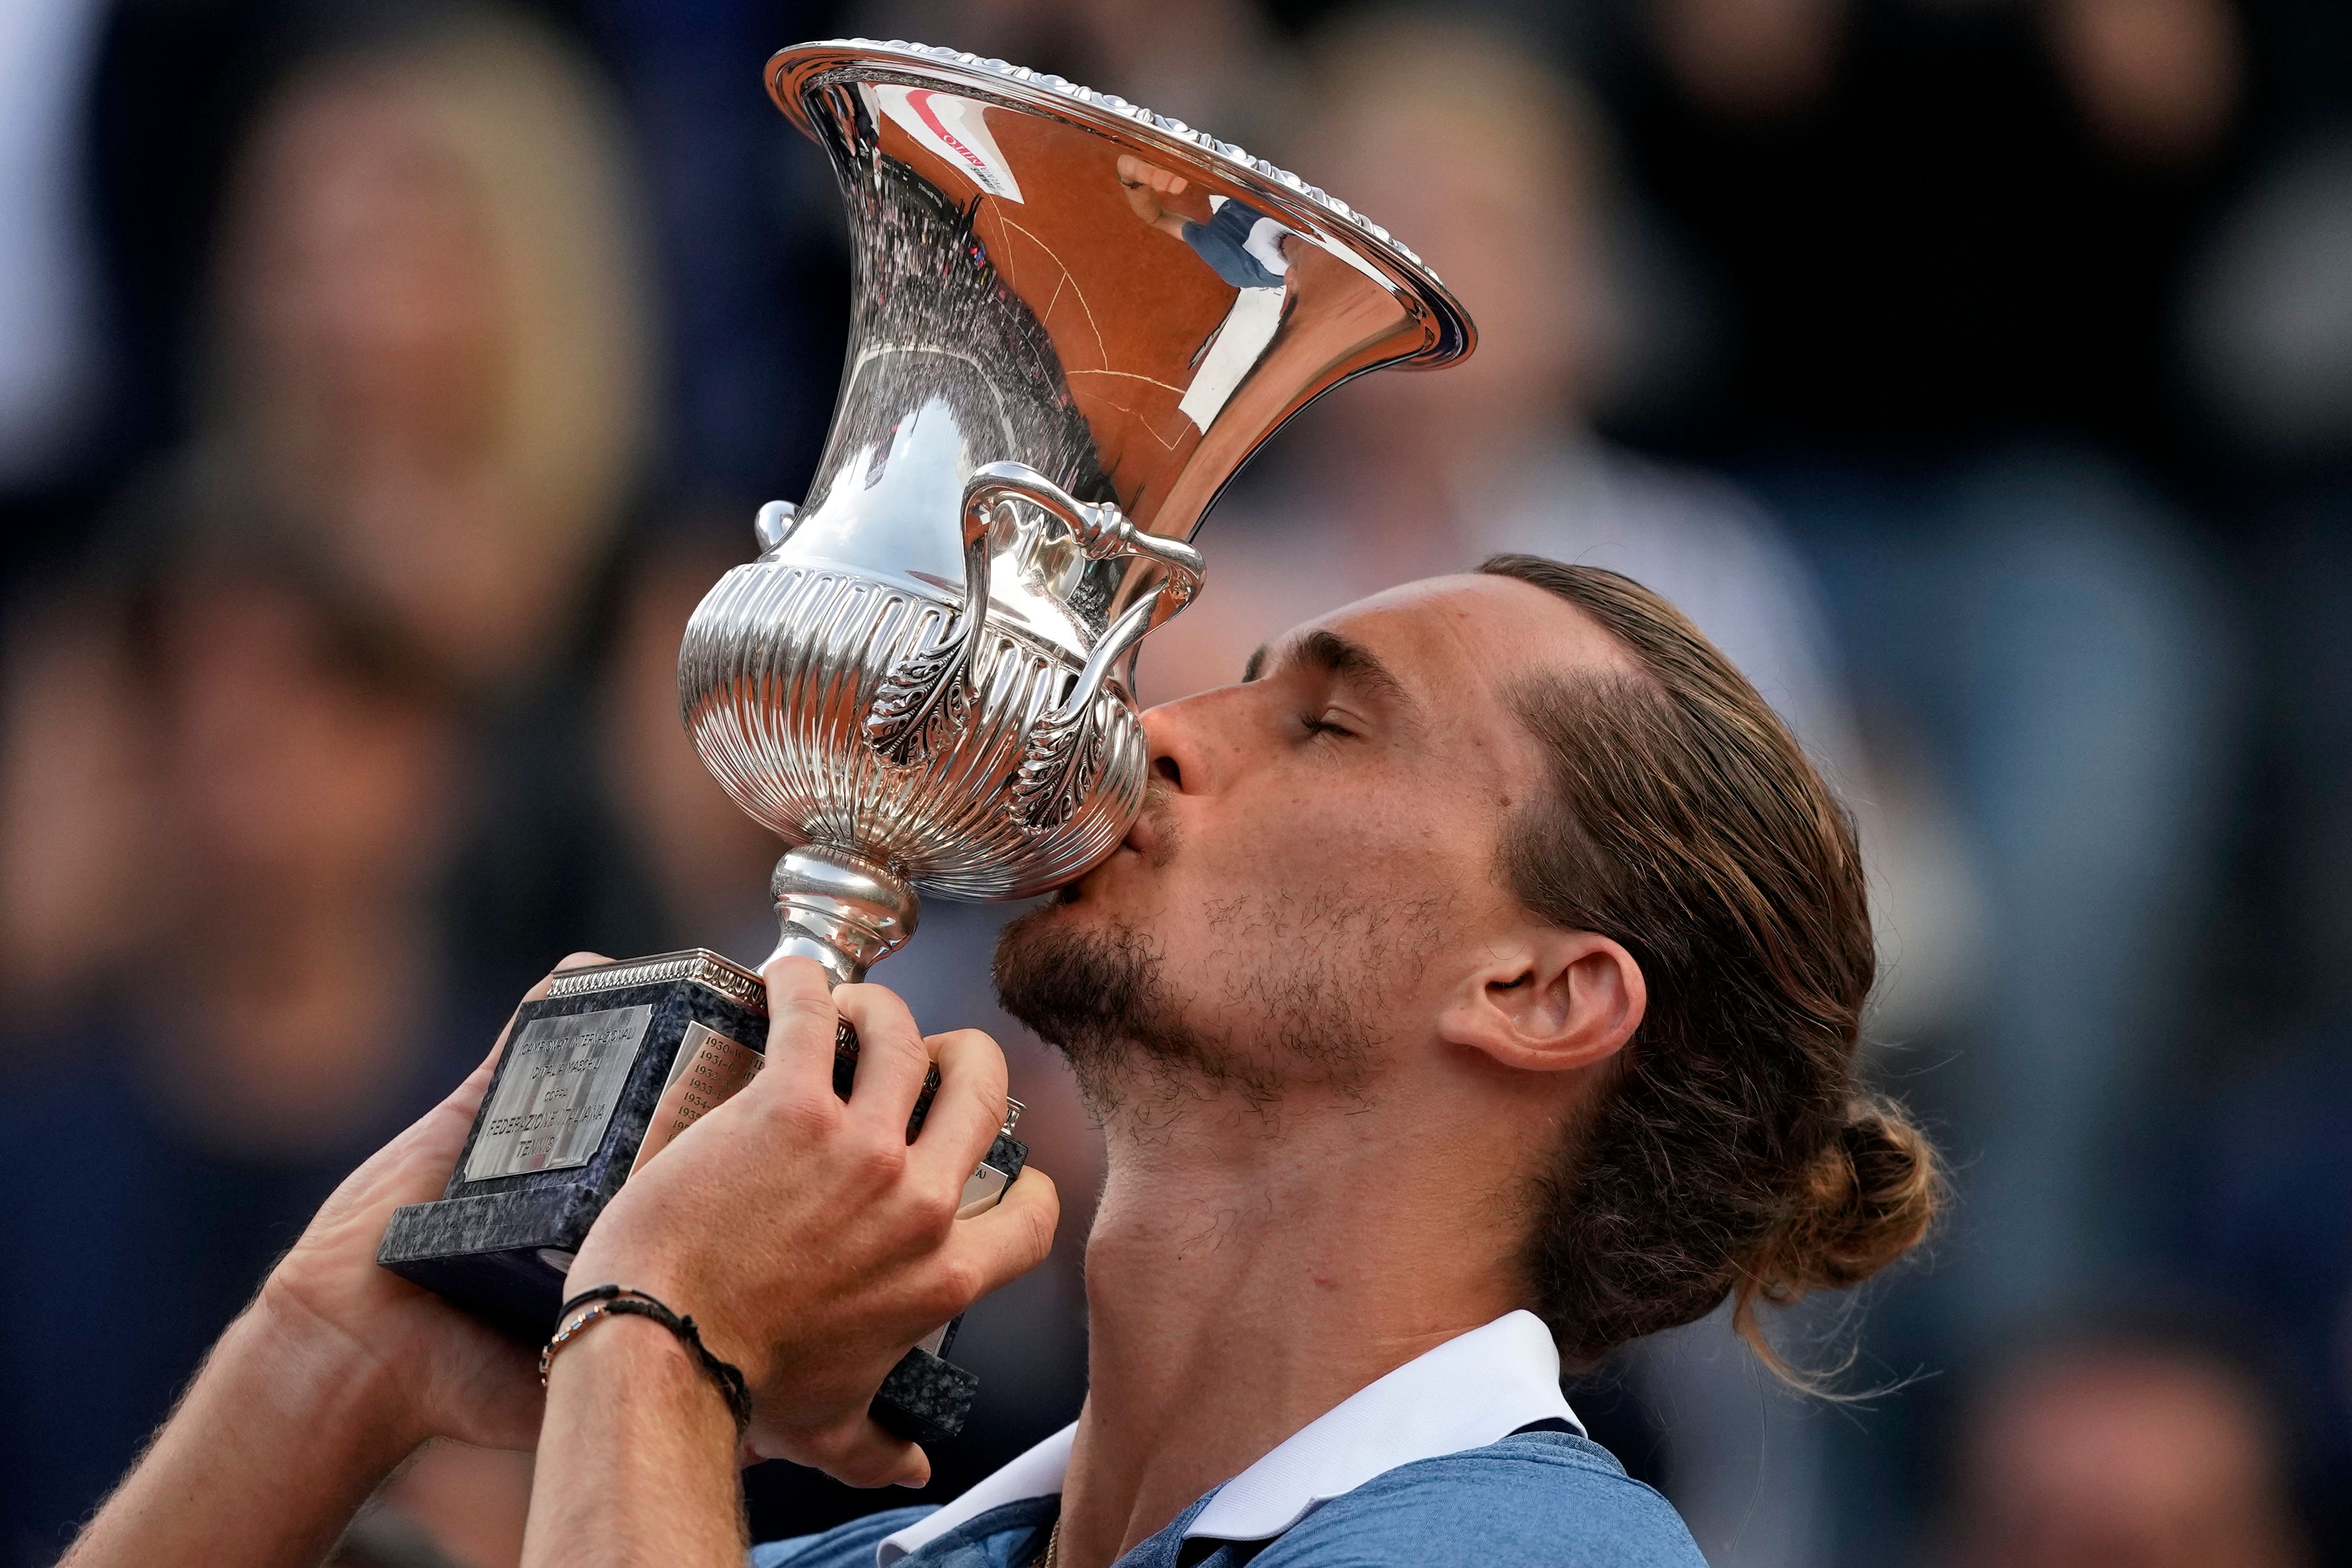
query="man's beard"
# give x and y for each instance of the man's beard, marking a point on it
(1102, 997)
(1096, 996)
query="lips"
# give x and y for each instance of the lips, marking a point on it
(1151, 834)
(1151, 826)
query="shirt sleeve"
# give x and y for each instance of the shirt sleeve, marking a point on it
(1223, 242)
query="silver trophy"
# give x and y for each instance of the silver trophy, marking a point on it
(1075, 319)
(922, 685)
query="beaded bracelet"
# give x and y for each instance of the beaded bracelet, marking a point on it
(620, 1301)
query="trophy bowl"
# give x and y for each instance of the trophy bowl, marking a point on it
(1073, 321)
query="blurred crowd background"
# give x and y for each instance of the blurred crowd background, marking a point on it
(382, 383)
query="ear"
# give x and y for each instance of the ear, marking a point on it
(1549, 1001)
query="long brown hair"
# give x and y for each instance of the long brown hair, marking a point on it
(1732, 1151)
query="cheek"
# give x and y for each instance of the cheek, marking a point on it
(1352, 833)
(1344, 870)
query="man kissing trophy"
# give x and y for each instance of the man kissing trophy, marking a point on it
(1073, 320)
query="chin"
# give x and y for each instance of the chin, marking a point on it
(1086, 982)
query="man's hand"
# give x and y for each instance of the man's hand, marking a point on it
(810, 1242)
(1152, 192)
(440, 1372)
(335, 1374)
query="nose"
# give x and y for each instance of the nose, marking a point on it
(1175, 745)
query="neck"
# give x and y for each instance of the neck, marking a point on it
(1247, 1272)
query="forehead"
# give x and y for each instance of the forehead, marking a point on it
(1462, 648)
(1467, 641)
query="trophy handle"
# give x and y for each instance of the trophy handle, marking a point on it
(927, 695)
(1103, 531)
(1059, 753)
(774, 525)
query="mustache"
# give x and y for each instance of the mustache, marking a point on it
(1160, 816)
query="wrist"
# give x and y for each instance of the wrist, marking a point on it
(639, 1458)
(301, 1401)
(642, 1271)
(320, 1373)
(595, 1305)
(623, 1362)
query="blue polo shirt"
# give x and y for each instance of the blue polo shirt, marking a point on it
(1466, 1455)
(1241, 243)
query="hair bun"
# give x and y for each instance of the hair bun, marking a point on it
(1865, 1199)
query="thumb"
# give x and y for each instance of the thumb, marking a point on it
(861, 1454)
(1006, 1241)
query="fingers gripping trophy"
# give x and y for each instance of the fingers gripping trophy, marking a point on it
(1073, 320)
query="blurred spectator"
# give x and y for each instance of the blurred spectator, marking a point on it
(1946, 243)
(1934, 224)
(753, 277)
(50, 358)
(2123, 1450)
(428, 369)
(281, 1013)
(428, 363)
(433, 347)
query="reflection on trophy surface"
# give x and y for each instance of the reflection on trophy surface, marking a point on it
(1073, 321)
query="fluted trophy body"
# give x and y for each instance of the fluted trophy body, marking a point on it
(1073, 320)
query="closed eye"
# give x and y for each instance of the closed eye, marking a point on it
(1323, 725)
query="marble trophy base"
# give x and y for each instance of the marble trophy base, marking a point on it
(601, 1073)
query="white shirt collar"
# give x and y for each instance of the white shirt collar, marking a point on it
(1473, 1390)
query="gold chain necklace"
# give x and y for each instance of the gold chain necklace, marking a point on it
(1053, 1548)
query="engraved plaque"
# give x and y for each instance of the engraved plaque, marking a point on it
(708, 1068)
(563, 1077)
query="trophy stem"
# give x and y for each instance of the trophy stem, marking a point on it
(845, 913)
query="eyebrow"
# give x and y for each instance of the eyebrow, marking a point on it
(1348, 660)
